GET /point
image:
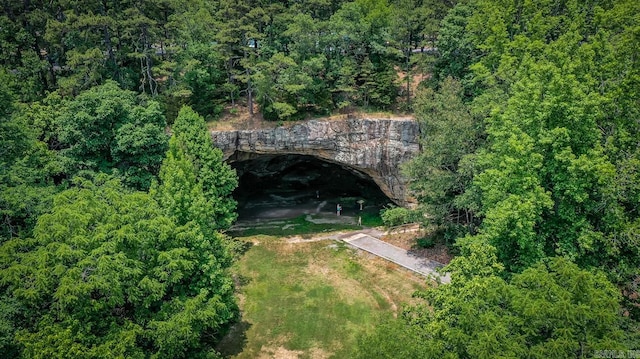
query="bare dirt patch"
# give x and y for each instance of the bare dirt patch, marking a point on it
(237, 118)
(416, 79)
(406, 237)
(318, 353)
(279, 352)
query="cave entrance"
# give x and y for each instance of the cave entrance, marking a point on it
(288, 186)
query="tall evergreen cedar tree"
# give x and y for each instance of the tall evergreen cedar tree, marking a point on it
(113, 201)
(193, 170)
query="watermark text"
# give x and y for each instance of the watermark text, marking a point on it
(616, 353)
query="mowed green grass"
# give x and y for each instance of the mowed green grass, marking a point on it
(311, 300)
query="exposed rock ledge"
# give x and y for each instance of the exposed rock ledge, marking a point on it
(376, 147)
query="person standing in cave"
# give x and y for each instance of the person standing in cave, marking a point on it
(338, 209)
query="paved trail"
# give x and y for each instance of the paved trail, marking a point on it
(367, 240)
(396, 255)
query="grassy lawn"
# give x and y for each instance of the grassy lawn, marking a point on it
(311, 300)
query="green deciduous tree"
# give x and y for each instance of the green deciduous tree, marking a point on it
(26, 167)
(553, 309)
(107, 128)
(549, 178)
(108, 274)
(546, 178)
(449, 132)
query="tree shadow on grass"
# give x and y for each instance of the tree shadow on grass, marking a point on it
(236, 339)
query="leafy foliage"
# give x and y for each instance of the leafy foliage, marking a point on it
(535, 150)
(105, 128)
(527, 147)
(552, 309)
(449, 132)
(26, 169)
(455, 45)
(107, 274)
(546, 175)
(529, 157)
(200, 166)
(208, 54)
(397, 216)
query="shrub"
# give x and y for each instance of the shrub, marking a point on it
(396, 216)
(426, 242)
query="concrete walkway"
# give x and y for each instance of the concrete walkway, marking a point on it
(369, 243)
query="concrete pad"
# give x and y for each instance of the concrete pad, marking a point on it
(396, 255)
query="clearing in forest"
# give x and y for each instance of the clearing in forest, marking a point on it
(312, 299)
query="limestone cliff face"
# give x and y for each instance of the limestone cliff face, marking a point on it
(376, 147)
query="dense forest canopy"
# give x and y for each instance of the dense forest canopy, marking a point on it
(114, 204)
(292, 58)
(530, 166)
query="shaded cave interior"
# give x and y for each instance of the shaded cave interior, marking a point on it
(290, 185)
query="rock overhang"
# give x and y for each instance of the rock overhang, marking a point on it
(375, 147)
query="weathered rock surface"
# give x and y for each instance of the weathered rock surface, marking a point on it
(376, 147)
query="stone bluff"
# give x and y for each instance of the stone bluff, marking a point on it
(376, 147)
